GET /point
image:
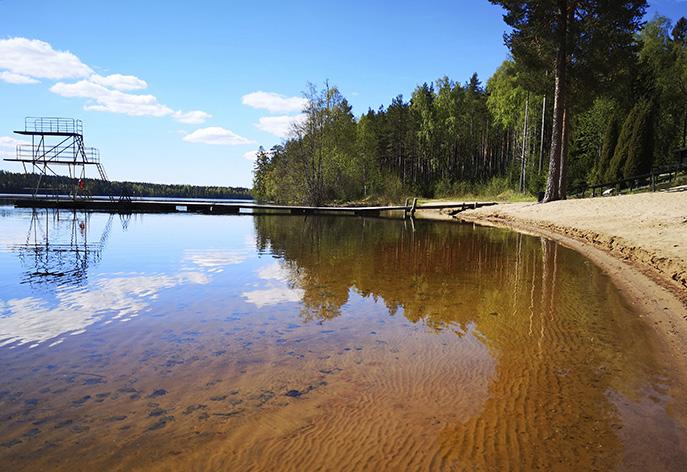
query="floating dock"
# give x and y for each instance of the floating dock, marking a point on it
(228, 208)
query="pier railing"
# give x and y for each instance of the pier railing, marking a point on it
(52, 124)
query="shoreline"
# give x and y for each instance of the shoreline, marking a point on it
(637, 271)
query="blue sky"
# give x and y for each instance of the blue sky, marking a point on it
(169, 91)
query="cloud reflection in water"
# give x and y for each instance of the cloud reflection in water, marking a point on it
(214, 260)
(34, 320)
(278, 289)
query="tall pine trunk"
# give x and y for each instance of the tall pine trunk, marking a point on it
(565, 140)
(555, 164)
(541, 139)
(523, 154)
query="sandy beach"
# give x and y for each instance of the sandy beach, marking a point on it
(648, 230)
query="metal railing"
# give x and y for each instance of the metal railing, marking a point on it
(653, 179)
(57, 154)
(43, 124)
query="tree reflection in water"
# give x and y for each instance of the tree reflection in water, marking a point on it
(567, 345)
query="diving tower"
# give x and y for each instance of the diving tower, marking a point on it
(57, 143)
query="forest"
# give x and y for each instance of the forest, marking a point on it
(591, 93)
(11, 182)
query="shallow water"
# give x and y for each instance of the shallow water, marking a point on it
(299, 343)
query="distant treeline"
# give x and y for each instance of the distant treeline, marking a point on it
(11, 182)
(606, 100)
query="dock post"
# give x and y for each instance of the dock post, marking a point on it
(405, 209)
(414, 207)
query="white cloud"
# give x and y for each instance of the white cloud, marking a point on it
(252, 155)
(119, 81)
(274, 102)
(8, 142)
(216, 135)
(114, 101)
(191, 117)
(32, 58)
(14, 78)
(105, 99)
(279, 125)
(25, 61)
(82, 88)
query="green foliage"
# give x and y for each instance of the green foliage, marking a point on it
(586, 147)
(640, 155)
(600, 37)
(662, 77)
(608, 146)
(445, 133)
(260, 182)
(506, 99)
(454, 138)
(680, 32)
(11, 182)
(634, 153)
(617, 164)
(497, 188)
(320, 162)
(365, 155)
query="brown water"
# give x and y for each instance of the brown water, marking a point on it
(191, 342)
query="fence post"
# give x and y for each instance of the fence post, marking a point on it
(653, 181)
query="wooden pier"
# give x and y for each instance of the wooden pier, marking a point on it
(229, 208)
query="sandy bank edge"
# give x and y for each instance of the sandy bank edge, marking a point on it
(660, 300)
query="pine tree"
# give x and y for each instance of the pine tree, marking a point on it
(260, 170)
(617, 164)
(607, 148)
(640, 152)
(580, 41)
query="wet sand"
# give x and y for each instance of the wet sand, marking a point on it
(639, 240)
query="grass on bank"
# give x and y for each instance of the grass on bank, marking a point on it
(508, 196)
(497, 189)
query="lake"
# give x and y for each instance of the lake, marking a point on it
(196, 342)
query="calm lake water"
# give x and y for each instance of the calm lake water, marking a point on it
(319, 343)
